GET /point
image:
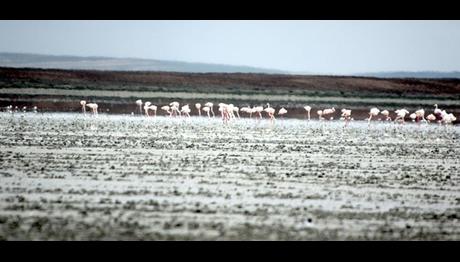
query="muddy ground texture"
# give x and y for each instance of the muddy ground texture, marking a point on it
(115, 177)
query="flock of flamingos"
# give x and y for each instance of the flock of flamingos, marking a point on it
(229, 112)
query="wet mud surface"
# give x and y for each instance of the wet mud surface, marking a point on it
(114, 177)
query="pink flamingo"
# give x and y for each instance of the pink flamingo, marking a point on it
(198, 106)
(83, 106)
(93, 107)
(139, 104)
(308, 108)
(207, 109)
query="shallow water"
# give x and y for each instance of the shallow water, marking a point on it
(66, 176)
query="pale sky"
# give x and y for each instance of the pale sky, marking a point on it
(337, 47)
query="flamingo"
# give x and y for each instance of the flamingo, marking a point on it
(437, 112)
(198, 106)
(386, 114)
(93, 107)
(258, 110)
(447, 118)
(420, 115)
(224, 110)
(148, 106)
(174, 106)
(139, 104)
(328, 111)
(308, 108)
(186, 110)
(401, 114)
(236, 110)
(154, 109)
(346, 114)
(413, 116)
(282, 111)
(83, 106)
(431, 117)
(221, 109)
(320, 114)
(227, 111)
(167, 109)
(271, 112)
(210, 105)
(373, 112)
(247, 110)
(206, 109)
(231, 110)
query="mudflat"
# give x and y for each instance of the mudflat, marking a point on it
(120, 177)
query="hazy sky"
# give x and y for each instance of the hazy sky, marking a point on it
(339, 47)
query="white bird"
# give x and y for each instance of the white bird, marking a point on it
(437, 111)
(206, 109)
(346, 112)
(167, 109)
(282, 111)
(447, 118)
(386, 113)
(225, 112)
(139, 104)
(320, 114)
(174, 107)
(231, 110)
(154, 109)
(308, 108)
(247, 110)
(210, 105)
(401, 114)
(93, 107)
(258, 110)
(236, 110)
(373, 112)
(271, 112)
(413, 116)
(198, 106)
(328, 111)
(148, 106)
(186, 110)
(83, 106)
(420, 115)
(431, 117)
(221, 109)
(346, 115)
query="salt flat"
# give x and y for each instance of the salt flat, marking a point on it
(122, 177)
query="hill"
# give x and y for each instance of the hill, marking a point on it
(20, 60)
